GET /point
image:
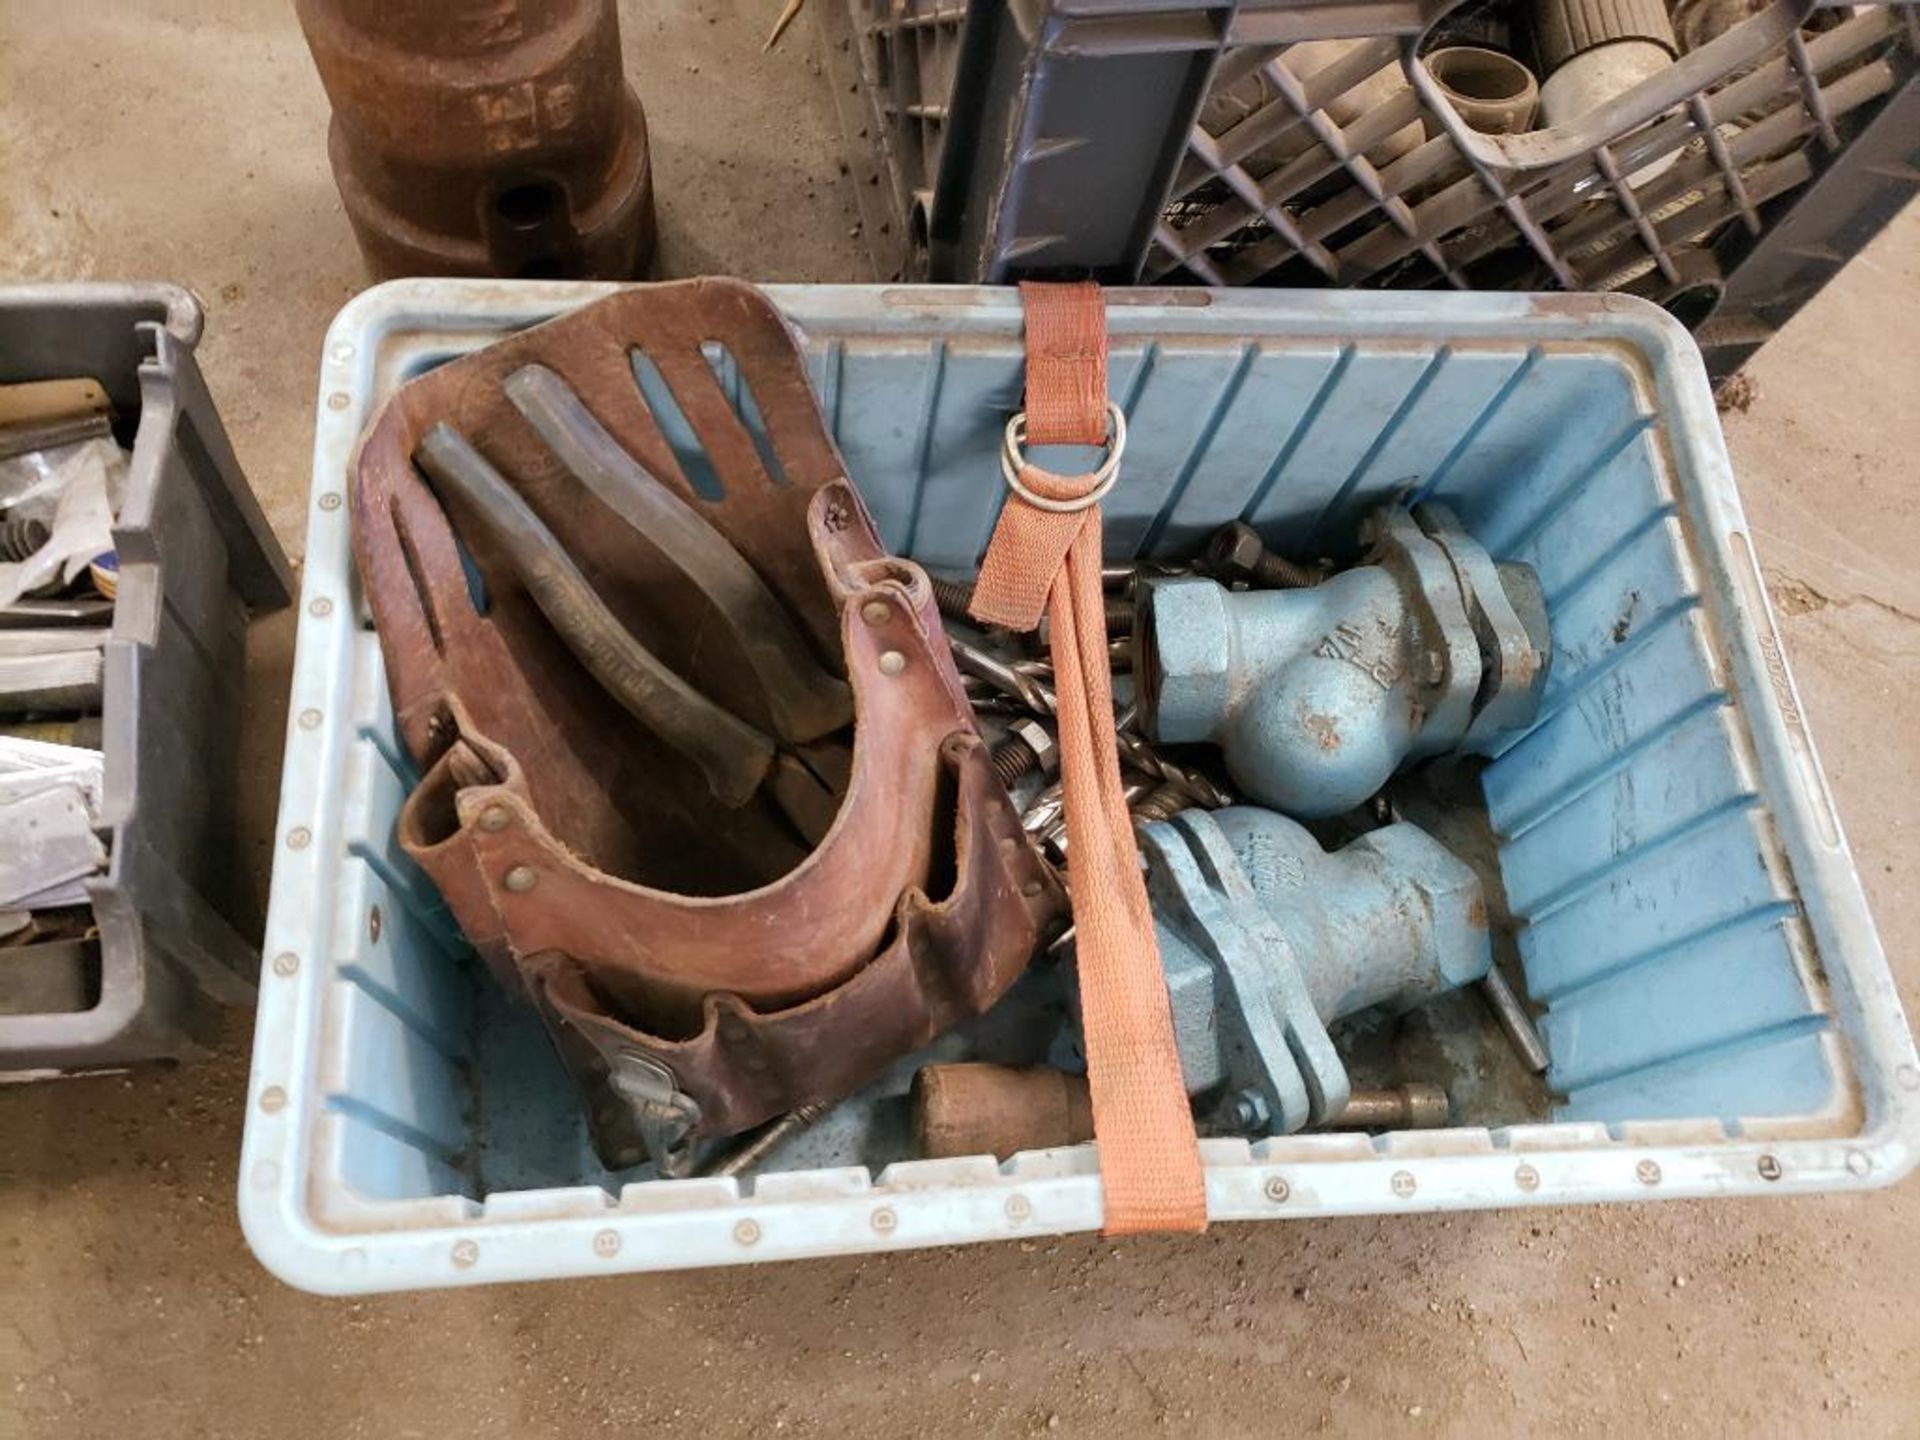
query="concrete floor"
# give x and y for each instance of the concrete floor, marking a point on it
(185, 141)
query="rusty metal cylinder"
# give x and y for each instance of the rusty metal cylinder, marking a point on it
(485, 137)
(1000, 1110)
(1420, 1105)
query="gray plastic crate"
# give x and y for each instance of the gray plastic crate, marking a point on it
(1185, 140)
(196, 560)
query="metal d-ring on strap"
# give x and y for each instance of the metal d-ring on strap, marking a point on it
(1012, 459)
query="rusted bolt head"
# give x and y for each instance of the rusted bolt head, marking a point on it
(1041, 741)
(1235, 551)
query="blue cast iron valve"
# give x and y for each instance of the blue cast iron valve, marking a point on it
(1266, 939)
(1317, 696)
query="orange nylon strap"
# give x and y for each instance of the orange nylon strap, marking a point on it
(1149, 1158)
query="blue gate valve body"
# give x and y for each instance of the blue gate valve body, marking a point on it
(1265, 939)
(1317, 696)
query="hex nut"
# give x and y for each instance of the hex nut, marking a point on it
(1041, 741)
(1184, 664)
(1250, 1112)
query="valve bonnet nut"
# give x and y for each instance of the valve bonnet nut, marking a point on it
(1185, 660)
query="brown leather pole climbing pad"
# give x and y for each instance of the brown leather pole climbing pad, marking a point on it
(643, 915)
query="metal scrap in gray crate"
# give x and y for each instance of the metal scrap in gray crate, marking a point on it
(196, 560)
(1718, 1009)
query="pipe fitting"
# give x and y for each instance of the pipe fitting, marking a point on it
(1493, 92)
(1266, 939)
(1316, 697)
(1594, 51)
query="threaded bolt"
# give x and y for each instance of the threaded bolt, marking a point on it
(1118, 612)
(952, 597)
(1276, 572)
(1029, 746)
(1012, 758)
(1236, 552)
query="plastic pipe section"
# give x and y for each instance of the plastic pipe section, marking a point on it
(1493, 92)
(1316, 697)
(1592, 51)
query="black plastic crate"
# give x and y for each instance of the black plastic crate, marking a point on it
(197, 560)
(1163, 142)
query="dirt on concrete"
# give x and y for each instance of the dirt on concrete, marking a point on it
(150, 139)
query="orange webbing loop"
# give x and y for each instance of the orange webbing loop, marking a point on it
(1149, 1158)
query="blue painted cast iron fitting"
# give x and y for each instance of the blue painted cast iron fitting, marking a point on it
(1317, 696)
(1266, 939)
